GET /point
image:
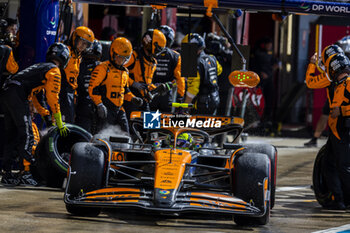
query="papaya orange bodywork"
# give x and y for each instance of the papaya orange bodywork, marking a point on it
(170, 167)
(132, 197)
(220, 201)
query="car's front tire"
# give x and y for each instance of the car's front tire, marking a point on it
(251, 170)
(87, 174)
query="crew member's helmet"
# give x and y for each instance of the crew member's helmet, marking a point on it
(184, 141)
(169, 34)
(120, 47)
(344, 43)
(94, 52)
(329, 51)
(196, 39)
(58, 52)
(338, 64)
(83, 33)
(154, 42)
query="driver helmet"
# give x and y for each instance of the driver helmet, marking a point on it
(184, 141)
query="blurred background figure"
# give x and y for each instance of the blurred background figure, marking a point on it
(9, 31)
(264, 63)
(8, 66)
(220, 48)
(108, 34)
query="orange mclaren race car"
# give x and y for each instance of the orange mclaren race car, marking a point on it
(174, 170)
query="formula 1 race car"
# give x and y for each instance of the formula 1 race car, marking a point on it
(172, 171)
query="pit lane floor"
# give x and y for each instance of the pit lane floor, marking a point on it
(41, 209)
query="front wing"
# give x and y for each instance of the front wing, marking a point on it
(185, 201)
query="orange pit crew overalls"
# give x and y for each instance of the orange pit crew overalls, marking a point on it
(109, 85)
(141, 69)
(337, 164)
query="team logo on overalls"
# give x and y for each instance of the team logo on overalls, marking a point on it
(151, 120)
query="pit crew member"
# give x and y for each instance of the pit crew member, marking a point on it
(86, 112)
(142, 65)
(168, 70)
(203, 90)
(338, 159)
(14, 98)
(81, 39)
(322, 80)
(108, 87)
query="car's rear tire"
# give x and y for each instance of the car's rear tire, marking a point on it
(322, 192)
(87, 174)
(250, 171)
(271, 152)
(52, 153)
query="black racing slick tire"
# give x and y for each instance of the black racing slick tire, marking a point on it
(322, 192)
(87, 174)
(271, 152)
(251, 169)
(52, 153)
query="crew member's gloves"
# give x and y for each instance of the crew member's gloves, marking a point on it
(137, 101)
(162, 89)
(180, 99)
(166, 87)
(48, 120)
(102, 111)
(139, 86)
(63, 130)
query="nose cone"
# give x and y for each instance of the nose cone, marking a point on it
(164, 197)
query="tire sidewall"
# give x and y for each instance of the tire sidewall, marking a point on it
(322, 193)
(51, 146)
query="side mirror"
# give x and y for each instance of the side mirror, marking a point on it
(244, 78)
